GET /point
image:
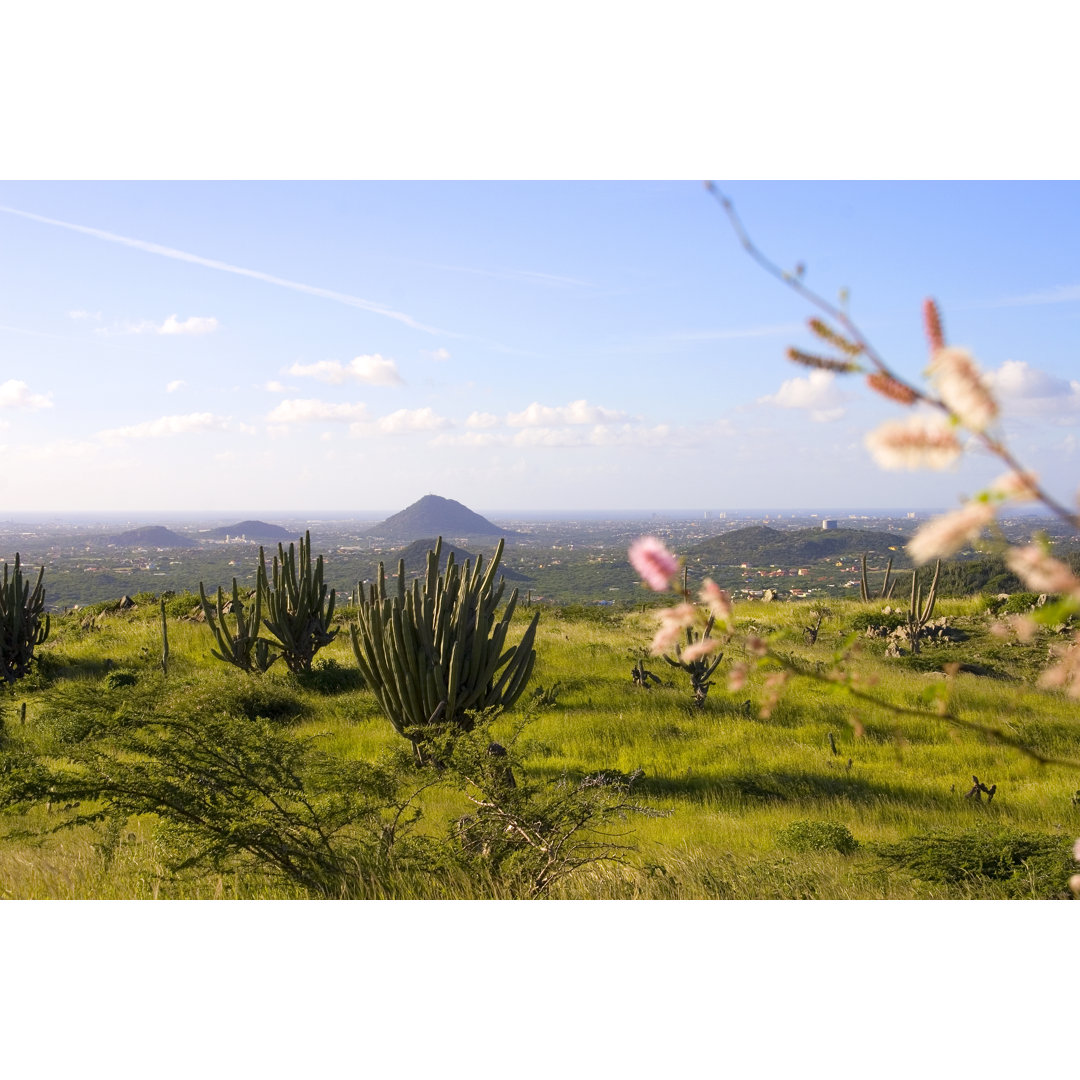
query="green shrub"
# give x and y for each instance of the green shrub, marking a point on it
(817, 836)
(1020, 603)
(1026, 862)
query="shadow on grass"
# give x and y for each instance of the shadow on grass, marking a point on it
(745, 789)
(52, 667)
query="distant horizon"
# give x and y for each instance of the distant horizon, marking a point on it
(617, 514)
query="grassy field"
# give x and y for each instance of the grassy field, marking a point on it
(827, 797)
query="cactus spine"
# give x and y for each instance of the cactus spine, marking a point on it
(241, 647)
(434, 652)
(886, 588)
(24, 623)
(298, 610)
(699, 669)
(919, 611)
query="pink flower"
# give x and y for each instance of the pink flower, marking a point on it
(960, 384)
(653, 562)
(717, 601)
(918, 442)
(1076, 851)
(1065, 674)
(1041, 572)
(736, 679)
(949, 533)
(672, 622)
(1015, 485)
(699, 649)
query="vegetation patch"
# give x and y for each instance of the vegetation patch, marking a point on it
(1028, 863)
(817, 836)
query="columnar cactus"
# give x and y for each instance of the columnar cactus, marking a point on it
(919, 611)
(434, 652)
(23, 622)
(886, 589)
(241, 647)
(298, 611)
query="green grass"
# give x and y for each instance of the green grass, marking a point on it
(750, 803)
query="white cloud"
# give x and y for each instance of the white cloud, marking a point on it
(403, 420)
(373, 370)
(577, 412)
(195, 324)
(481, 420)
(94, 316)
(175, 385)
(1027, 391)
(438, 355)
(1061, 294)
(165, 427)
(275, 387)
(309, 410)
(817, 393)
(15, 394)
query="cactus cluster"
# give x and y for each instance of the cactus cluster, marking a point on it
(298, 610)
(435, 652)
(920, 610)
(242, 646)
(24, 624)
(701, 668)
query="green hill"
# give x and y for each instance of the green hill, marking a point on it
(759, 545)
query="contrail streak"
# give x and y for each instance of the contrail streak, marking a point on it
(215, 264)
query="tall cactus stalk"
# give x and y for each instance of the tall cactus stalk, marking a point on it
(241, 647)
(701, 668)
(164, 640)
(298, 609)
(886, 588)
(434, 652)
(919, 610)
(24, 624)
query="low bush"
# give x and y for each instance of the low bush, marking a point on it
(1027, 863)
(817, 836)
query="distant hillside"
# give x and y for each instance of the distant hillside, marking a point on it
(435, 516)
(758, 545)
(251, 530)
(154, 536)
(415, 556)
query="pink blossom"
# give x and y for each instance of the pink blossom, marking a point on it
(1065, 674)
(960, 384)
(699, 649)
(736, 679)
(653, 562)
(918, 442)
(1076, 851)
(717, 601)
(950, 532)
(1041, 572)
(1016, 485)
(673, 621)
(755, 646)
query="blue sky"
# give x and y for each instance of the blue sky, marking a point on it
(352, 346)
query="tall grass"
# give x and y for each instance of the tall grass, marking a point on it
(732, 784)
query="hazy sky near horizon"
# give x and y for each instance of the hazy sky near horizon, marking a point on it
(512, 345)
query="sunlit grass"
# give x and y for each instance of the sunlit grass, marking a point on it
(728, 780)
